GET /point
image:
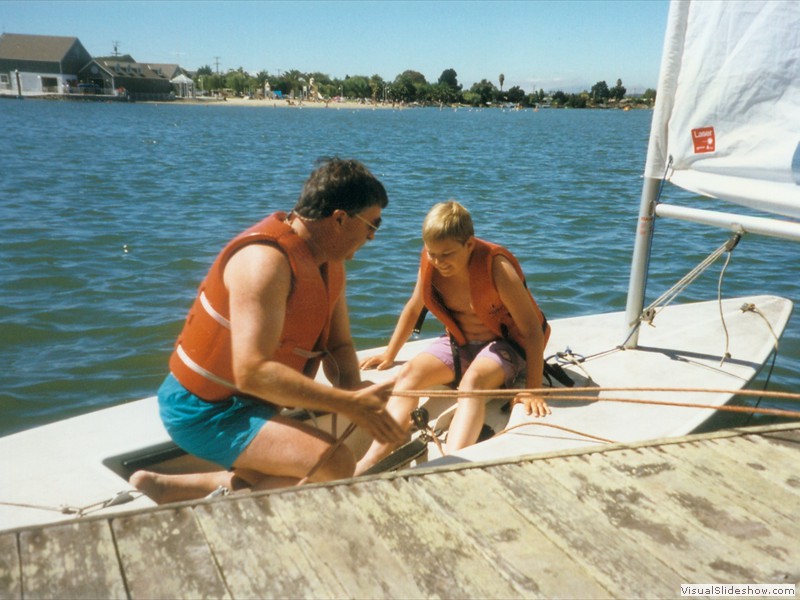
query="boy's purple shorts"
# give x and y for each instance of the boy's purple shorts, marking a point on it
(499, 351)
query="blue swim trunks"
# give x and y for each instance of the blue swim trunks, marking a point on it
(215, 431)
(500, 351)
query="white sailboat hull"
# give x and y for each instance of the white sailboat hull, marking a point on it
(83, 460)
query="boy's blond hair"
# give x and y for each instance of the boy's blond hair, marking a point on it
(447, 221)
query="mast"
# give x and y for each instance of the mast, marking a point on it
(640, 261)
(657, 159)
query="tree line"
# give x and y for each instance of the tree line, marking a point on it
(408, 87)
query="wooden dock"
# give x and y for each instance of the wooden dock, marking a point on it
(620, 521)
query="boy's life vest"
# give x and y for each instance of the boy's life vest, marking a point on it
(202, 358)
(484, 297)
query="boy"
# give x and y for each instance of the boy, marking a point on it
(477, 289)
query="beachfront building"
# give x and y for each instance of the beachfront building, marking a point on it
(122, 75)
(39, 65)
(180, 78)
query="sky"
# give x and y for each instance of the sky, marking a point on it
(564, 45)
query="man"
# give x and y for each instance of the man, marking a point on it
(270, 309)
(496, 331)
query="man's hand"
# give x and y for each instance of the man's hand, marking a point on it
(534, 405)
(368, 410)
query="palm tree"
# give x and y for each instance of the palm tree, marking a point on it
(502, 79)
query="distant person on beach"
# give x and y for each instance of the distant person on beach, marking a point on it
(271, 308)
(495, 330)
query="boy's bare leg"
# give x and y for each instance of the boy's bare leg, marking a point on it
(400, 408)
(466, 424)
(482, 374)
(423, 371)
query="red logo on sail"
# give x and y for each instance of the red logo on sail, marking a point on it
(704, 140)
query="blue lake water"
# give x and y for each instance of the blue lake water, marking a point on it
(112, 213)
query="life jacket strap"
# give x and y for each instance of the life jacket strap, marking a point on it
(420, 320)
(187, 360)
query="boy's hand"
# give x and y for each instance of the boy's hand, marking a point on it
(380, 362)
(534, 405)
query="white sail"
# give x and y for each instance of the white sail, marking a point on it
(728, 107)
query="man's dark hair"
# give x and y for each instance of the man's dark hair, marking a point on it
(339, 184)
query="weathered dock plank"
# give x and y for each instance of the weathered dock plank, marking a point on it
(507, 533)
(778, 456)
(717, 537)
(617, 521)
(580, 525)
(78, 560)
(10, 584)
(153, 546)
(258, 553)
(441, 561)
(717, 465)
(326, 541)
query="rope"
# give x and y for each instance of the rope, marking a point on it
(725, 355)
(569, 395)
(328, 453)
(80, 511)
(554, 426)
(753, 308)
(505, 392)
(766, 384)
(649, 313)
(568, 357)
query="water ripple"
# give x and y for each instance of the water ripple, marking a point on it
(111, 215)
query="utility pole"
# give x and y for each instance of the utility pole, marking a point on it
(216, 60)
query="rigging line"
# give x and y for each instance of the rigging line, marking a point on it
(581, 358)
(569, 357)
(724, 407)
(732, 243)
(555, 392)
(79, 511)
(766, 383)
(118, 498)
(750, 307)
(554, 426)
(776, 412)
(753, 308)
(328, 453)
(725, 355)
(63, 509)
(649, 313)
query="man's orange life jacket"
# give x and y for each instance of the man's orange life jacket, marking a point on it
(484, 297)
(202, 359)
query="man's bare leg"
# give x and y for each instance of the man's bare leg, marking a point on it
(162, 488)
(281, 454)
